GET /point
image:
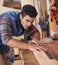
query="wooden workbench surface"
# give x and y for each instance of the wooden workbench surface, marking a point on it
(53, 49)
(28, 58)
(40, 58)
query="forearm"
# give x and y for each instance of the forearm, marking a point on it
(21, 45)
(18, 44)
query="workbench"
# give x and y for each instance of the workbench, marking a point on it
(41, 57)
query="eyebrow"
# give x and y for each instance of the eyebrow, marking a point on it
(27, 20)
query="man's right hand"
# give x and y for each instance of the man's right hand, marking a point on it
(38, 45)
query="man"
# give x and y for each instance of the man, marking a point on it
(54, 20)
(15, 24)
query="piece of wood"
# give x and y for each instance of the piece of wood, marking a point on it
(28, 58)
(16, 5)
(43, 58)
(40, 57)
(53, 49)
(16, 51)
(17, 62)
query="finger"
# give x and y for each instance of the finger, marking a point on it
(43, 48)
(32, 49)
(37, 42)
(33, 42)
(40, 43)
(39, 48)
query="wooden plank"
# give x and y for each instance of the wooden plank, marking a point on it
(43, 59)
(15, 5)
(40, 57)
(17, 62)
(53, 49)
(24, 2)
(28, 58)
(16, 51)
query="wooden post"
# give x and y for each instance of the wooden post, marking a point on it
(24, 2)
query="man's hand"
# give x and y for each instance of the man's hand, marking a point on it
(39, 44)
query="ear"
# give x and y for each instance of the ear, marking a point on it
(20, 16)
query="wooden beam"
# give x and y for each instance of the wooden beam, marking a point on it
(28, 58)
(43, 59)
(40, 57)
(24, 2)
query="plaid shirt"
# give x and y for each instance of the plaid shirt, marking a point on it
(6, 29)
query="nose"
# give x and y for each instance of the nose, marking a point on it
(29, 23)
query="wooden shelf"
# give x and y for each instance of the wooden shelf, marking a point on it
(16, 5)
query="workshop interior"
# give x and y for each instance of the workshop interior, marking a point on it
(46, 23)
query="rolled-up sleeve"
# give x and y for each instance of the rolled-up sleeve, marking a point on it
(5, 29)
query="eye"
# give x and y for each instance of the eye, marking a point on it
(27, 20)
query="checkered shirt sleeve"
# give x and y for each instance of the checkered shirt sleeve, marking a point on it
(5, 29)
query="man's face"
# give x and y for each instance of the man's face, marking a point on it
(26, 21)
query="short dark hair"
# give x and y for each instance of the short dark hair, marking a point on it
(29, 10)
